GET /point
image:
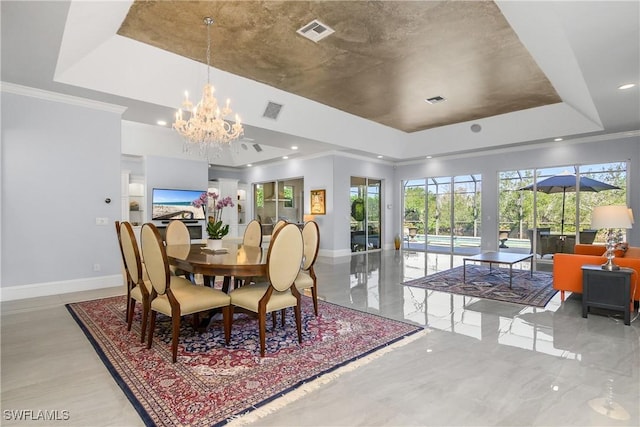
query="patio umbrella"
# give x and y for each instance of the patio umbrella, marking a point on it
(564, 182)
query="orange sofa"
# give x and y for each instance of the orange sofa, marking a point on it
(567, 271)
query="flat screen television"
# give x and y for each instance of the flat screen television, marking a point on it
(168, 204)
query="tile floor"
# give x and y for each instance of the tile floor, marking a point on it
(481, 363)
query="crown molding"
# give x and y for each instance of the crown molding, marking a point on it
(46, 95)
(527, 146)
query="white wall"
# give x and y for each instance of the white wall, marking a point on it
(59, 164)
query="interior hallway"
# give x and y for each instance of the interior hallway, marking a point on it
(481, 363)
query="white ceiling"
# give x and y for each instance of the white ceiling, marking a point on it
(586, 49)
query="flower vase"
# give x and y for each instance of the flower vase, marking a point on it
(214, 244)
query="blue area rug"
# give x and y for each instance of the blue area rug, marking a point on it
(480, 282)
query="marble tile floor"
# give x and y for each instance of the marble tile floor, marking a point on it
(480, 363)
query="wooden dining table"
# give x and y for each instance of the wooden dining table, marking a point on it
(239, 261)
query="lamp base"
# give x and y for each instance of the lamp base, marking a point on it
(610, 266)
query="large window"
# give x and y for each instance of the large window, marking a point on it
(276, 200)
(544, 220)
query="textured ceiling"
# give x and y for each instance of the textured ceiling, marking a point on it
(382, 62)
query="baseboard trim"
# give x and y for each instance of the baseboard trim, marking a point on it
(334, 254)
(34, 290)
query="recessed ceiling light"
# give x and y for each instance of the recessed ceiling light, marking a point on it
(429, 157)
(379, 157)
(249, 165)
(161, 123)
(626, 86)
(294, 147)
(558, 139)
(285, 157)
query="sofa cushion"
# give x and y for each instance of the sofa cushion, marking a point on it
(632, 252)
(596, 250)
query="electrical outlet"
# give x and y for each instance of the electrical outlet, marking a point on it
(102, 221)
(96, 267)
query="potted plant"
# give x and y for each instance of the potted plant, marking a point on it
(216, 229)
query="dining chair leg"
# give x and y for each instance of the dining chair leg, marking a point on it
(298, 321)
(227, 321)
(282, 314)
(175, 332)
(262, 320)
(145, 315)
(273, 319)
(314, 294)
(130, 310)
(152, 327)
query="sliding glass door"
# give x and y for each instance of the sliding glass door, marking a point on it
(442, 214)
(366, 224)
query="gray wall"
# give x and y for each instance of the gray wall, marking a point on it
(59, 163)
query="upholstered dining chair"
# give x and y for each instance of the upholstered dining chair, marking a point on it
(176, 301)
(307, 277)
(252, 237)
(125, 274)
(277, 226)
(138, 289)
(283, 263)
(177, 233)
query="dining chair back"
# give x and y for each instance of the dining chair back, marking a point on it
(177, 233)
(175, 296)
(306, 278)
(284, 257)
(283, 263)
(277, 226)
(252, 237)
(139, 289)
(253, 234)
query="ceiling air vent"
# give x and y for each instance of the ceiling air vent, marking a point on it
(257, 147)
(272, 111)
(315, 31)
(435, 100)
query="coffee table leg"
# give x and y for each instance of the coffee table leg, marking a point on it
(510, 275)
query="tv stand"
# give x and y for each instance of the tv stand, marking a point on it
(186, 221)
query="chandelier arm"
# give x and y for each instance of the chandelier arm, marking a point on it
(205, 126)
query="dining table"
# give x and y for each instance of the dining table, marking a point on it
(237, 260)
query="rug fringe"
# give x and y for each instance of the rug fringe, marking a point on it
(304, 389)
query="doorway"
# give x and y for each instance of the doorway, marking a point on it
(366, 221)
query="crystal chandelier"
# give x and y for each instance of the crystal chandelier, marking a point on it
(204, 125)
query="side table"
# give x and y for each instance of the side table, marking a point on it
(606, 289)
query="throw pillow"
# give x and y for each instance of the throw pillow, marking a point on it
(620, 249)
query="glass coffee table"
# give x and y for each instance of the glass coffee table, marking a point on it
(497, 258)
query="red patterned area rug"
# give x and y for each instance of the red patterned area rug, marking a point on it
(214, 384)
(493, 284)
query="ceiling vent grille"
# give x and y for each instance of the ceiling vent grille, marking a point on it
(272, 111)
(315, 31)
(257, 147)
(435, 100)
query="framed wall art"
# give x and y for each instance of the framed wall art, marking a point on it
(318, 206)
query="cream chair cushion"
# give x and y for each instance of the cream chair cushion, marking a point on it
(304, 280)
(248, 297)
(192, 299)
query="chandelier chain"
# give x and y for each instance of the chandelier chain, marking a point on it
(205, 126)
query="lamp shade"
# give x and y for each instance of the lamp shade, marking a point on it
(611, 217)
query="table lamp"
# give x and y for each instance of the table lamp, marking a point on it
(612, 218)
